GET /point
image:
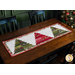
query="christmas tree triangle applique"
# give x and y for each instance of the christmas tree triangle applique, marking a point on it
(57, 31)
(22, 46)
(41, 38)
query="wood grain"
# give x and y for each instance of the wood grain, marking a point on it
(36, 52)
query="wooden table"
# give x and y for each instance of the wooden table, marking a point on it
(36, 52)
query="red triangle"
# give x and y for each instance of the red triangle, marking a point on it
(41, 38)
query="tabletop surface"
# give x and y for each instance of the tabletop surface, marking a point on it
(36, 52)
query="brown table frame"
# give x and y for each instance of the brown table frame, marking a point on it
(36, 52)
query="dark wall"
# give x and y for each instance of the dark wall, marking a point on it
(23, 17)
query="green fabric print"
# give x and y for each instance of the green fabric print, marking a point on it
(57, 32)
(21, 46)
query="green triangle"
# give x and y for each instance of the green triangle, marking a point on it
(21, 46)
(57, 31)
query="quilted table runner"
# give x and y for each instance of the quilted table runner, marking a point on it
(34, 39)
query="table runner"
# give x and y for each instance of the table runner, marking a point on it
(26, 42)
